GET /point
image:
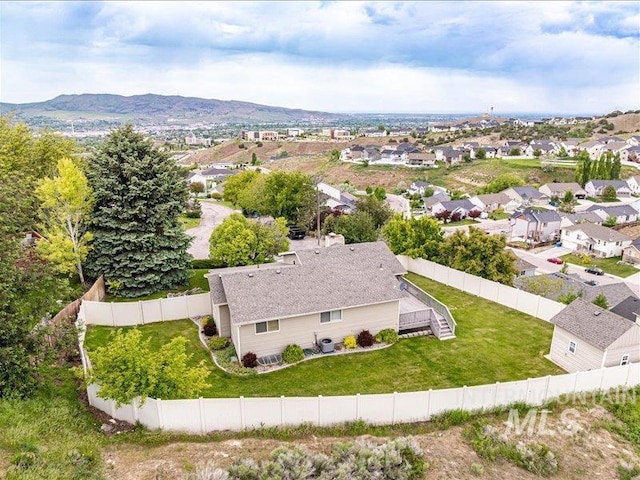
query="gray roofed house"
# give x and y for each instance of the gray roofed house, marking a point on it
(308, 295)
(435, 199)
(594, 239)
(594, 188)
(569, 219)
(622, 213)
(631, 254)
(560, 189)
(629, 308)
(526, 195)
(587, 337)
(463, 206)
(537, 225)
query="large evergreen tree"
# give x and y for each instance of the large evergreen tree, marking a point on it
(138, 243)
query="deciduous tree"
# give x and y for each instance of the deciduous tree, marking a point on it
(356, 227)
(66, 202)
(415, 237)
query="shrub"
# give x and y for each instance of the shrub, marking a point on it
(293, 354)
(228, 361)
(388, 335)
(218, 343)
(365, 339)
(400, 459)
(209, 327)
(250, 360)
(350, 342)
(216, 195)
(203, 263)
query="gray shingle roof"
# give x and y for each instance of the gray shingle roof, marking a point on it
(465, 203)
(337, 277)
(594, 325)
(580, 217)
(617, 184)
(599, 232)
(538, 216)
(628, 308)
(614, 210)
(528, 192)
(564, 187)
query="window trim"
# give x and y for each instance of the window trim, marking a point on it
(625, 359)
(331, 316)
(575, 346)
(266, 323)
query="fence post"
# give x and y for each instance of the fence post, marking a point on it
(161, 311)
(495, 394)
(526, 392)
(319, 410)
(134, 407)
(112, 408)
(113, 318)
(160, 413)
(357, 406)
(393, 412)
(281, 409)
(626, 383)
(575, 384)
(464, 391)
(242, 419)
(203, 423)
(141, 312)
(429, 405)
(186, 299)
(602, 377)
(546, 389)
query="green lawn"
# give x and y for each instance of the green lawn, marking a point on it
(494, 344)
(196, 280)
(499, 216)
(466, 221)
(609, 265)
(188, 223)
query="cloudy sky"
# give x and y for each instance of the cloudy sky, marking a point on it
(413, 57)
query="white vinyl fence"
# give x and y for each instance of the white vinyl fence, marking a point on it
(525, 302)
(208, 414)
(127, 314)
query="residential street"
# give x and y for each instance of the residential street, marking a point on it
(212, 215)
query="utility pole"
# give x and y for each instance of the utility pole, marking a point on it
(318, 210)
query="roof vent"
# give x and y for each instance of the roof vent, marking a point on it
(380, 266)
(595, 314)
(250, 275)
(278, 271)
(317, 251)
(351, 248)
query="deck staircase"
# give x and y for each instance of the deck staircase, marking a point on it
(443, 327)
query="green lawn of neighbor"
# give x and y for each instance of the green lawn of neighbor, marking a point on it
(466, 221)
(196, 280)
(493, 343)
(609, 265)
(188, 223)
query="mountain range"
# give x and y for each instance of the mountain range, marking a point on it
(160, 107)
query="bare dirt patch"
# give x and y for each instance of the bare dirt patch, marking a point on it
(589, 451)
(632, 231)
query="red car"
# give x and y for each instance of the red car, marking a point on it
(557, 261)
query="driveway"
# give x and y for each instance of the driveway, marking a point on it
(212, 215)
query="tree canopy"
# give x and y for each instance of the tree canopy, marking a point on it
(138, 243)
(239, 241)
(127, 368)
(502, 182)
(356, 227)
(415, 237)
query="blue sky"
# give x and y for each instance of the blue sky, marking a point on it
(413, 57)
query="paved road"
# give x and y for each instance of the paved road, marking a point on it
(212, 215)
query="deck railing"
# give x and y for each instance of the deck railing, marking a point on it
(427, 299)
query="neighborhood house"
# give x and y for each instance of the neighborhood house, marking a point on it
(316, 294)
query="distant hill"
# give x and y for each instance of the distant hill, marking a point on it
(160, 107)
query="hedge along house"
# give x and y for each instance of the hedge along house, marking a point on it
(587, 337)
(308, 295)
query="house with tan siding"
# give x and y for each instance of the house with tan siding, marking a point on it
(587, 337)
(310, 295)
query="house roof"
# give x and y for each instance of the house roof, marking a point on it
(628, 308)
(582, 217)
(603, 183)
(594, 325)
(563, 187)
(488, 198)
(528, 192)
(522, 264)
(323, 279)
(599, 232)
(538, 216)
(210, 172)
(465, 203)
(436, 198)
(420, 184)
(614, 210)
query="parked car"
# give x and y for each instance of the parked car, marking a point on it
(557, 261)
(594, 270)
(296, 233)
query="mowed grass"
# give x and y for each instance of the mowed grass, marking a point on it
(50, 436)
(493, 343)
(188, 223)
(609, 265)
(196, 280)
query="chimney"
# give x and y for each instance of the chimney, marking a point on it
(333, 239)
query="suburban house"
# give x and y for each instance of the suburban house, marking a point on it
(418, 187)
(536, 225)
(622, 213)
(321, 293)
(594, 239)
(434, 199)
(570, 219)
(209, 177)
(594, 188)
(593, 148)
(421, 159)
(560, 189)
(449, 155)
(587, 337)
(461, 207)
(631, 253)
(524, 268)
(491, 202)
(527, 196)
(634, 184)
(334, 198)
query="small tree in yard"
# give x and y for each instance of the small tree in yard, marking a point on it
(601, 301)
(609, 194)
(443, 215)
(456, 216)
(474, 213)
(611, 221)
(196, 187)
(127, 368)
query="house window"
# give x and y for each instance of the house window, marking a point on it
(625, 359)
(267, 327)
(572, 347)
(332, 316)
